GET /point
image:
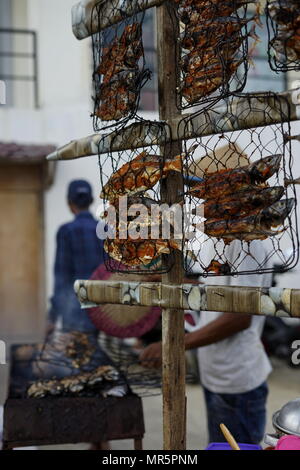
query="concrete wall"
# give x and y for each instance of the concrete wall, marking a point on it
(64, 62)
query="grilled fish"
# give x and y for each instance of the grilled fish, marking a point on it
(259, 221)
(286, 43)
(224, 182)
(198, 59)
(200, 11)
(123, 53)
(73, 384)
(139, 175)
(241, 203)
(205, 81)
(138, 252)
(286, 13)
(212, 34)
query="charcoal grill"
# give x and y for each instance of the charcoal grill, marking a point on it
(66, 420)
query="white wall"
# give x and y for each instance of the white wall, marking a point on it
(64, 62)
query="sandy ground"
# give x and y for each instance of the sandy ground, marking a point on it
(284, 384)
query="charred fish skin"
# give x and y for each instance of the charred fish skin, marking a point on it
(224, 182)
(119, 67)
(263, 169)
(261, 221)
(138, 252)
(278, 212)
(195, 12)
(284, 13)
(241, 203)
(286, 43)
(139, 175)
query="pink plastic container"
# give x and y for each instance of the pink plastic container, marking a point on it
(288, 443)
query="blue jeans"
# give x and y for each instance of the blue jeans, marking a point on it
(243, 413)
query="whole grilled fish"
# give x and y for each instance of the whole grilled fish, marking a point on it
(224, 182)
(138, 252)
(141, 174)
(241, 203)
(259, 221)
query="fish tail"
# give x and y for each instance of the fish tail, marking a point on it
(173, 165)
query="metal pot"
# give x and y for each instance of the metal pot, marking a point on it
(285, 421)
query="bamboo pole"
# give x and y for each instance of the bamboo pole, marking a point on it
(242, 113)
(85, 21)
(173, 349)
(211, 122)
(267, 301)
(138, 134)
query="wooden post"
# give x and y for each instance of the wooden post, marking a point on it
(173, 373)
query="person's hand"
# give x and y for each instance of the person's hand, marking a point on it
(151, 356)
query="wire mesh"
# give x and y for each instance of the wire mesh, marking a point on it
(144, 381)
(213, 54)
(239, 192)
(119, 66)
(111, 367)
(131, 188)
(44, 370)
(283, 20)
(68, 363)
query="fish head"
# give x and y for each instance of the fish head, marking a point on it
(280, 209)
(274, 193)
(265, 168)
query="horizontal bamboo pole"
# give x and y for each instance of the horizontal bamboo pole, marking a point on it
(273, 301)
(242, 113)
(133, 136)
(85, 21)
(141, 134)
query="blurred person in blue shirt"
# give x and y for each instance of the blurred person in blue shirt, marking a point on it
(78, 253)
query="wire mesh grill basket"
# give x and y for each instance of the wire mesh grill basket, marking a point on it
(131, 187)
(239, 191)
(213, 53)
(119, 67)
(68, 363)
(283, 20)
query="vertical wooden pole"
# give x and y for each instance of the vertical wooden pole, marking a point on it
(174, 408)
